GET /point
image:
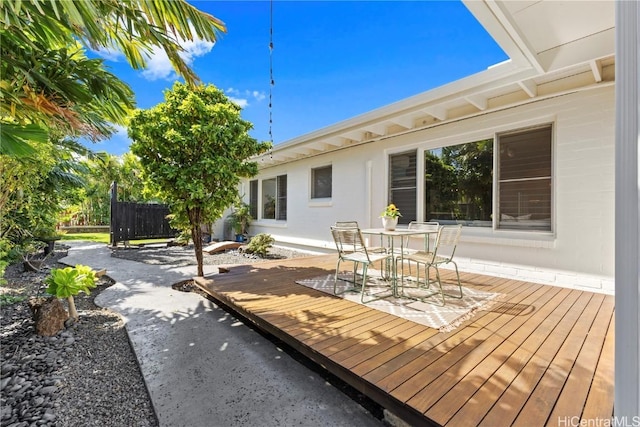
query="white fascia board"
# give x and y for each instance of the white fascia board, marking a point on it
(497, 23)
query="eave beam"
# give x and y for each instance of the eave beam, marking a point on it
(596, 69)
(529, 87)
(478, 101)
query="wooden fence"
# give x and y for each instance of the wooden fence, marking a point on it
(131, 221)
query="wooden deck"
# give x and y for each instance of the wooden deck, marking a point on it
(539, 357)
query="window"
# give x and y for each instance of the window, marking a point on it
(462, 186)
(253, 198)
(458, 183)
(281, 205)
(321, 182)
(274, 198)
(525, 179)
(402, 184)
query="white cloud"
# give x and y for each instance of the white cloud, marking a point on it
(259, 96)
(121, 130)
(243, 98)
(159, 66)
(242, 103)
(109, 54)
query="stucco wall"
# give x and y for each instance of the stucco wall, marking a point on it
(578, 253)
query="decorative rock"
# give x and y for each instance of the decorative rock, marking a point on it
(4, 382)
(48, 389)
(49, 416)
(8, 368)
(49, 316)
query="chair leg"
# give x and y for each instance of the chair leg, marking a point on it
(354, 281)
(355, 273)
(458, 277)
(335, 279)
(439, 284)
(364, 281)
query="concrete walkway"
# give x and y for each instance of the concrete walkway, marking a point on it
(203, 367)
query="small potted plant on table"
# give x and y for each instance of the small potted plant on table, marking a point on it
(390, 217)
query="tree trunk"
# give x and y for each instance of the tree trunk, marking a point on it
(196, 235)
(72, 308)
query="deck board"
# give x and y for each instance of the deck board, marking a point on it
(544, 398)
(540, 353)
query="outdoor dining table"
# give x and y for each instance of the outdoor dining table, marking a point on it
(391, 247)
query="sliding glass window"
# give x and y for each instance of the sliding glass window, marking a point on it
(458, 184)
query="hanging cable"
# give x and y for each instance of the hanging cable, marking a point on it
(271, 81)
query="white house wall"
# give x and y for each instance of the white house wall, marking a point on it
(579, 253)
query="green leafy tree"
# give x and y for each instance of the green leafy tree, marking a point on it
(103, 169)
(33, 188)
(194, 148)
(473, 163)
(441, 187)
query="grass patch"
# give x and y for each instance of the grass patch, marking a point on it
(104, 238)
(91, 237)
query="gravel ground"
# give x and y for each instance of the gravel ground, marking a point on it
(87, 375)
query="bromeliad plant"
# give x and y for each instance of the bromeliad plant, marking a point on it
(390, 212)
(70, 281)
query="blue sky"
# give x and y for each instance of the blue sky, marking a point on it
(332, 60)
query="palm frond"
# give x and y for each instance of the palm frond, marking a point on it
(17, 139)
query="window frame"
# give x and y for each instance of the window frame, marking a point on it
(254, 196)
(521, 225)
(407, 215)
(280, 198)
(313, 183)
(494, 134)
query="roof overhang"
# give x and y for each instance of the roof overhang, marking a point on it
(554, 47)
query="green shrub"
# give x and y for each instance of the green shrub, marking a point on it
(70, 281)
(5, 258)
(260, 244)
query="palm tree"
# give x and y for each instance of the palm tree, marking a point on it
(36, 34)
(58, 90)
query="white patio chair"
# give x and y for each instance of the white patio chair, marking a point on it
(371, 249)
(442, 253)
(347, 224)
(432, 226)
(351, 248)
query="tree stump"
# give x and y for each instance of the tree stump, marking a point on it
(49, 315)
